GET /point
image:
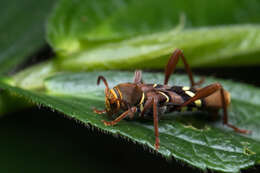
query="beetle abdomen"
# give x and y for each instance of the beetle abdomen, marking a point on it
(171, 97)
(185, 93)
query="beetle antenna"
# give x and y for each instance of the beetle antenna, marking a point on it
(105, 82)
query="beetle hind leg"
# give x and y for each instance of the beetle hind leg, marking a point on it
(171, 66)
(225, 117)
(209, 91)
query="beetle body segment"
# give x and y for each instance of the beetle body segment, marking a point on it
(170, 98)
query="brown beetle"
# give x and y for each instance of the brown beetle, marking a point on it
(152, 100)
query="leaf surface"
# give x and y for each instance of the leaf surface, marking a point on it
(91, 35)
(79, 24)
(220, 46)
(187, 137)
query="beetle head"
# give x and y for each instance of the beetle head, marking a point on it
(112, 101)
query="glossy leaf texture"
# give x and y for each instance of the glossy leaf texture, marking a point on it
(217, 46)
(78, 25)
(190, 138)
(21, 30)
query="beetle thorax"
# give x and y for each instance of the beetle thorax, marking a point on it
(130, 93)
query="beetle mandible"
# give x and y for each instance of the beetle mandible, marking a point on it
(153, 100)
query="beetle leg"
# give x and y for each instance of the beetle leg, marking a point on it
(99, 111)
(122, 116)
(131, 113)
(138, 77)
(225, 118)
(155, 123)
(205, 92)
(149, 102)
(202, 93)
(171, 65)
(147, 105)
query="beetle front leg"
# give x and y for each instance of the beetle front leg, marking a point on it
(153, 101)
(122, 116)
(99, 111)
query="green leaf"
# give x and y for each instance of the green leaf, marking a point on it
(79, 24)
(97, 36)
(218, 46)
(21, 30)
(187, 137)
(33, 77)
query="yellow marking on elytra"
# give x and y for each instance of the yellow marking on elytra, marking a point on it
(167, 98)
(141, 107)
(191, 94)
(198, 103)
(142, 99)
(141, 103)
(154, 85)
(194, 109)
(185, 88)
(183, 109)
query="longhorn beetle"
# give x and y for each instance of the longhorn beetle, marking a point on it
(142, 100)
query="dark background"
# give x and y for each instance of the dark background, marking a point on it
(40, 140)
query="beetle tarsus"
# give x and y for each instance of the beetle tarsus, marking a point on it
(122, 116)
(108, 123)
(236, 129)
(99, 111)
(157, 143)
